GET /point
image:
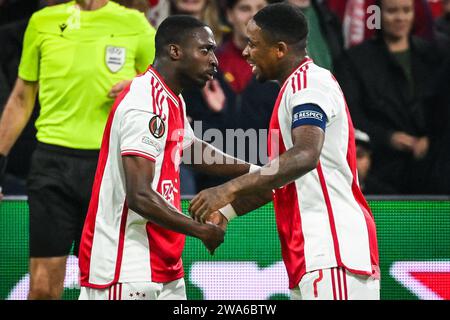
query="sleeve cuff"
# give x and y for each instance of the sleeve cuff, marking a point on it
(228, 212)
(138, 154)
(253, 168)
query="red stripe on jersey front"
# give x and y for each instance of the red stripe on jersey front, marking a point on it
(359, 197)
(330, 214)
(290, 231)
(171, 94)
(300, 77)
(166, 246)
(285, 201)
(152, 84)
(299, 84)
(123, 223)
(89, 225)
(305, 81)
(158, 99)
(286, 208)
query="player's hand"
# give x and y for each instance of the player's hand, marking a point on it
(403, 141)
(214, 96)
(117, 88)
(208, 201)
(218, 219)
(212, 236)
(421, 147)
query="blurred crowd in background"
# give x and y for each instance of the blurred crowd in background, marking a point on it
(391, 58)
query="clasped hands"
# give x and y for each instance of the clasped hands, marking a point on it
(204, 208)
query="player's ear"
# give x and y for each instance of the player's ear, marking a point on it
(282, 49)
(175, 51)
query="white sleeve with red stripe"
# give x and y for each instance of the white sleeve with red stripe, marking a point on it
(136, 139)
(189, 136)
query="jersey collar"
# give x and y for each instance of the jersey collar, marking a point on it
(169, 91)
(304, 62)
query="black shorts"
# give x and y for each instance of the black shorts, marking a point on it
(59, 191)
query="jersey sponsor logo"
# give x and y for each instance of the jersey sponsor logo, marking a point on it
(157, 127)
(308, 114)
(115, 58)
(168, 190)
(62, 27)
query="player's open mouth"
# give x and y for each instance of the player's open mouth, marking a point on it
(253, 66)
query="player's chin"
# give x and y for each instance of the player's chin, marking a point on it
(260, 77)
(201, 82)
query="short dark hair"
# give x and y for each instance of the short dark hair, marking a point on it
(175, 29)
(283, 22)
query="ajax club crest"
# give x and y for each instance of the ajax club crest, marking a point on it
(115, 58)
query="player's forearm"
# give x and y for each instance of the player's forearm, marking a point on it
(208, 159)
(246, 204)
(154, 208)
(16, 114)
(290, 166)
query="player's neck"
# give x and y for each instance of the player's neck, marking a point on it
(168, 75)
(90, 5)
(288, 66)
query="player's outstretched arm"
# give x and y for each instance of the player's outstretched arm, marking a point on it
(142, 199)
(294, 163)
(205, 158)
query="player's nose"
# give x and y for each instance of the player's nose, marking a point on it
(214, 61)
(245, 52)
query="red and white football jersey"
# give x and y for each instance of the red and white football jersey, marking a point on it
(323, 219)
(118, 245)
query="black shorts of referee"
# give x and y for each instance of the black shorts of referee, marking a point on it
(59, 190)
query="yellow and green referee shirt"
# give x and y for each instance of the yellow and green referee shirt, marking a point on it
(77, 56)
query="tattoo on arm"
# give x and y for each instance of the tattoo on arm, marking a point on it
(246, 204)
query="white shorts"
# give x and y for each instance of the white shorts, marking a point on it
(175, 290)
(336, 284)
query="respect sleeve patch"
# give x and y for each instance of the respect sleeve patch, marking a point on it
(309, 114)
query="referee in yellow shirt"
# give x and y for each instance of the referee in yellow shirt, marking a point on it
(78, 56)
